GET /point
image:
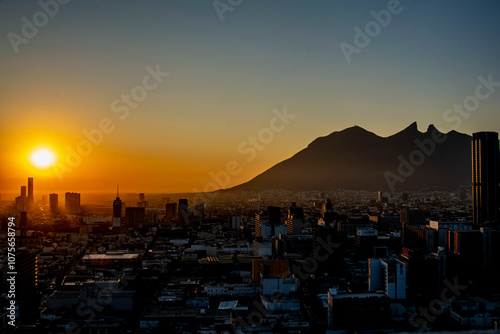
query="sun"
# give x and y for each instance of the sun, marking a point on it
(43, 158)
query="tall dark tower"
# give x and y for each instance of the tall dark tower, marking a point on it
(170, 211)
(485, 178)
(183, 212)
(72, 203)
(134, 217)
(117, 210)
(21, 205)
(327, 211)
(54, 203)
(31, 199)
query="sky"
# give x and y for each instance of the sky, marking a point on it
(184, 96)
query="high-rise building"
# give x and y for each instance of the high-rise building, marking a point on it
(234, 222)
(199, 211)
(54, 203)
(72, 203)
(388, 275)
(262, 225)
(43, 200)
(142, 202)
(295, 220)
(262, 247)
(485, 178)
(31, 199)
(294, 224)
(20, 204)
(327, 211)
(152, 217)
(382, 197)
(26, 272)
(134, 216)
(365, 240)
(22, 201)
(420, 236)
(170, 211)
(117, 210)
(296, 211)
(183, 214)
(413, 217)
(274, 213)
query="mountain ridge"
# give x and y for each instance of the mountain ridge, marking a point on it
(357, 159)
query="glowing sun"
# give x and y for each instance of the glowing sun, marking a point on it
(42, 158)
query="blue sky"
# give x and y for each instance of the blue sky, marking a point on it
(227, 76)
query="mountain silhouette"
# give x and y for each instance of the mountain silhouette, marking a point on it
(357, 159)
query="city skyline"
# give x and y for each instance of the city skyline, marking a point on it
(213, 79)
(249, 166)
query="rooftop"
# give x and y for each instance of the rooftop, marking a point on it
(114, 256)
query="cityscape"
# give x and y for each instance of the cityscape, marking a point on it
(273, 261)
(249, 167)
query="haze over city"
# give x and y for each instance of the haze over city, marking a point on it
(211, 78)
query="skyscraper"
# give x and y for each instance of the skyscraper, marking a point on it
(20, 204)
(31, 199)
(170, 211)
(296, 211)
(54, 203)
(142, 202)
(327, 211)
(234, 222)
(26, 268)
(72, 203)
(294, 224)
(134, 216)
(117, 210)
(199, 211)
(485, 177)
(183, 216)
(274, 213)
(21, 201)
(388, 275)
(262, 226)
